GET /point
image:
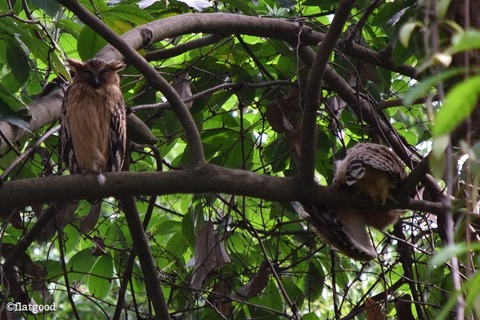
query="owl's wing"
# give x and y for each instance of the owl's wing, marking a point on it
(117, 136)
(66, 145)
(346, 236)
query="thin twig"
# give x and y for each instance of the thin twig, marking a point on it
(28, 152)
(359, 26)
(65, 274)
(209, 91)
(182, 48)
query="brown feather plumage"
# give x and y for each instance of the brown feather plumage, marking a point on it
(368, 169)
(93, 122)
(372, 170)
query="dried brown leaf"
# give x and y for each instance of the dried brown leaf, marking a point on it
(204, 254)
(181, 84)
(404, 308)
(374, 310)
(284, 115)
(221, 255)
(256, 285)
(64, 215)
(88, 223)
(220, 298)
(274, 116)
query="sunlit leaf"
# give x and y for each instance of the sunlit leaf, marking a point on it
(89, 43)
(422, 88)
(465, 41)
(406, 32)
(458, 105)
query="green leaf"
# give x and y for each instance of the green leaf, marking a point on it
(406, 31)
(101, 277)
(54, 269)
(188, 229)
(89, 43)
(95, 6)
(422, 88)
(314, 281)
(177, 244)
(131, 13)
(69, 26)
(437, 161)
(443, 6)
(18, 62)
(459, 104)
(294, 292)
(80, 265)
(310, 316)
(465, 41)
(242, 6)
(72, 240)
(49, 6)
(137, 278)
(120, 26)
(10, 99)
(449, 251)
(473, 293)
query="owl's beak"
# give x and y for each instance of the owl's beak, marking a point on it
(95, 82)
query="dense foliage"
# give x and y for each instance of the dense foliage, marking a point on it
(246, 255)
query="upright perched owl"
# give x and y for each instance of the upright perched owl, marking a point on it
(368, 169)
(93, 121)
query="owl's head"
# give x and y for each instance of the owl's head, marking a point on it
(95, 72)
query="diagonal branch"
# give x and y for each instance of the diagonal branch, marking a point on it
(313, 94)
(142, 249)
(156, 80)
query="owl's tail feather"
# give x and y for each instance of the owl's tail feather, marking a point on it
(350, 239)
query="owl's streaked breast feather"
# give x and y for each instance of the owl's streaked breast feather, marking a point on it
(93, 122)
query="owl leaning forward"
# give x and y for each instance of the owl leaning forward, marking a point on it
(368, 169)
(374, 171)
(93, 121)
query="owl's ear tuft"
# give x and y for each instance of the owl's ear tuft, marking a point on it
(116, 65)
(75, 64)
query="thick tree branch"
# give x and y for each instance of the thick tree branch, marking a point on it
(201, 179)
(313, 93)
(156, 80)
(228, 24)
(43, 111)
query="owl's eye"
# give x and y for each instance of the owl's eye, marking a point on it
(87, 71)
(104, 71)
